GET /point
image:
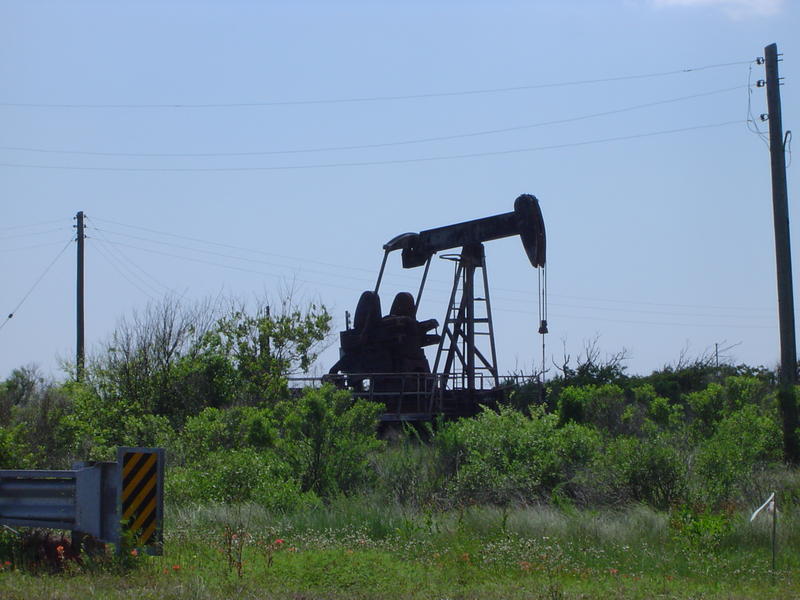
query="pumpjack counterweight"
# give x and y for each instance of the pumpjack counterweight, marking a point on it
(385, 354)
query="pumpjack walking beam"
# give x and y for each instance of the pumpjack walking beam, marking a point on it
(418, 248)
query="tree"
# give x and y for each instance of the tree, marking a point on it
(265, 346)
(175, 360)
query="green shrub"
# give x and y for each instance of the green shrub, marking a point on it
(326, 438)
(742, 442)
(224, 476)
(283, 495)
(695, 529)
(505, 457)
(717, 401)
(633, 469)
(604, 406)
(96, 425)
(215, 429)
(13, 449)
(408, 472)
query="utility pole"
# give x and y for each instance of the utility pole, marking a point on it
(79, 352)
(780, 210)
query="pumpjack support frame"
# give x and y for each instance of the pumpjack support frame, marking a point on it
(378, 347)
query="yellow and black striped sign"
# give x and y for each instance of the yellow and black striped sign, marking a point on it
(141, 494)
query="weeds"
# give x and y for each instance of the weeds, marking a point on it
(479, 552)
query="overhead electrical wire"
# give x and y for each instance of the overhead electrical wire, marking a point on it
(221, 265)
(20, 248)
(114, 257)
(752, 125)
(8, 227)
(666, 323)
(34, 233)
(231, 256)
(371, 272)
(424, 140)
(701, 306)
(374, 162)
(35, 283)
(153, 283)
(116, 266)
(231, 246)
(498, 306)
(375, 98)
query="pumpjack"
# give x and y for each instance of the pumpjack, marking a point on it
(383, 357)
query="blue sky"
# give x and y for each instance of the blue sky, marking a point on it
(308, 127)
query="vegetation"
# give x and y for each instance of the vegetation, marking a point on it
(601, 483)
(364, 548)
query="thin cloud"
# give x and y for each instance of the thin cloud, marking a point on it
(736, 9)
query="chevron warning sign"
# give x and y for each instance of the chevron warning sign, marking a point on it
(141, 493)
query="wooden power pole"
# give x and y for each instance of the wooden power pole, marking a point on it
(79, 346)
(783, 257)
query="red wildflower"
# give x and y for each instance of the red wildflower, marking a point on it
(176, 567)
(134, 552)
(278, 542)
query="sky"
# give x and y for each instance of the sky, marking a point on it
(242, 148)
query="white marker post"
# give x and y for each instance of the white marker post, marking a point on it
(772, 506)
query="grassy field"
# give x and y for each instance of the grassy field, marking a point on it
(361, 549)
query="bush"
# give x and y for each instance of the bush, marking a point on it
(741, 444)
(326, 438)
(13, 450)
(214, 429)
(603, 406)
(96, 426)
(223, 476)
(409, 472)
(633, 469)
(506, 457)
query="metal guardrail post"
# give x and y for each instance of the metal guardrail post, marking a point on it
(94, 499)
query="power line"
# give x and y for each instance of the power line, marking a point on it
(20, 248)
(130, 265)
(223, 255)
(5, 228)
(666, 323)
(114, 255)
(644, 303)
(428, 296)
(499, 309)
(650, 312)
(111, 261)
(456, 136)
(220, 265)
(417, 96)
(35, 283)
(233, 247)
(375, 162)
(371, 272)
(34, 233)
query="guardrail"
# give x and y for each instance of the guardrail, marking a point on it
(105, 500)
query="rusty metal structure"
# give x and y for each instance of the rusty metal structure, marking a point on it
(383, 357)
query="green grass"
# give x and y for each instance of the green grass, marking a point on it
(359, 548)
